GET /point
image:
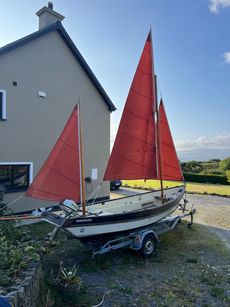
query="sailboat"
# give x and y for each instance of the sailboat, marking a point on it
(143, 149)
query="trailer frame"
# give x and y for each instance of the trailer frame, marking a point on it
(145, 239)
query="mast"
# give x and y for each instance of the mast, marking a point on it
(159, 160)
(155, 108)
(81, 159)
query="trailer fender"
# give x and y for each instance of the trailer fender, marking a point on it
(140, 236)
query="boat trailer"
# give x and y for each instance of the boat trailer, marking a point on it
(145, 239)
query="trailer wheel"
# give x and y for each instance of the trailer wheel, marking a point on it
(148, 245)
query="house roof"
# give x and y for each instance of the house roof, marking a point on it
(61, 30)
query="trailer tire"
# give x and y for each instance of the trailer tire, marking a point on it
(148, 245)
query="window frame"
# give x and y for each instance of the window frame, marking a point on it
(3, 107)
(30, 174)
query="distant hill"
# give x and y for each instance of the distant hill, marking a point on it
(203, 154)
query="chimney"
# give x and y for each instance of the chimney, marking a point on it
(48, 16)
(50, 5)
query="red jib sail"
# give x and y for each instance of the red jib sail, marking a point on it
(170, 165)
(59, 177)
(134, 151)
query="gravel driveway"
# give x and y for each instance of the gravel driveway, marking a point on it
(213, 211)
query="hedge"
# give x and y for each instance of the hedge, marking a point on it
(220, 179)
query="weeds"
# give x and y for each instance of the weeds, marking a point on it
(16, 251)
(217, 292)
(210, 276)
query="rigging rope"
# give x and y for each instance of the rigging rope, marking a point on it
(95, 192)
(14, 201)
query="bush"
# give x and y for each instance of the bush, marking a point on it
(15, 251)
(225, 164)
(212, 172)
(205, 178)
(192, 166)
(12, 258)
(228, 176)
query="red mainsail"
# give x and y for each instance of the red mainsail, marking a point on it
(134, 151)
(59, 177)
(170, 165)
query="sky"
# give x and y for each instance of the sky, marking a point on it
(191, 55)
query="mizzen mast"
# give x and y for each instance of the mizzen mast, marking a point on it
(81, 159)
(158, 143)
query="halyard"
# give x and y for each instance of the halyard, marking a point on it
(190, 267)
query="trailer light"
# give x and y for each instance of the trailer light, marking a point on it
(138, 238)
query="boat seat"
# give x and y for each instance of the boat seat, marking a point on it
(100, 213)
(148, 205)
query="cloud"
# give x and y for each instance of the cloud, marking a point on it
(217, 142)
(216, 5)
(226, 56)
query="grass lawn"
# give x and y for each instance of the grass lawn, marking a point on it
(192, 187)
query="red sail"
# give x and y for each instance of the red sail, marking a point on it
(134, 151)
(169, 162)
(59, 178)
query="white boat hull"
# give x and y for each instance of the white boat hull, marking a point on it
(121, 219)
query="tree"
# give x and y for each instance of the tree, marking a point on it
(228, 176)
(193, 167)
(225, 164)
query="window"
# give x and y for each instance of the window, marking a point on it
(15, 177)
(2, 105)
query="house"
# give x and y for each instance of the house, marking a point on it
(42, 77)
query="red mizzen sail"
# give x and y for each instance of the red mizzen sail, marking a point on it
(170, 165)
(59, 177)
(134, 151)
